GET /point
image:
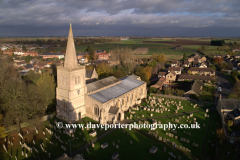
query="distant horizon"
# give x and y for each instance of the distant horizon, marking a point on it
(113, 36)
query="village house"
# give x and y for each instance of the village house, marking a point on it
(175, 64)
(177, 70)
(103, 56)
(217, 56)
(34, 60)
(19, 64)
(195, 56)
(19, 53)
(53, 55)
(3, 48)
(195, 77)
(201, 71)
(195, 63)
(100, 51)
(159, 84)
(196, 89)
(235, 50)
(8, 52)
(202, 65)
(203, 59)
(171, 77)
(185, 63)
(83, 60)
(31, 53)
(237, 56)
(229, 109)
(27, 68)
(81, 55)
(190, 60)
(162, 74)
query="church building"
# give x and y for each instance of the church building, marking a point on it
(104, 100)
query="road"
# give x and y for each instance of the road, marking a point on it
(224, 84)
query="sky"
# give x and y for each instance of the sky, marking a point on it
(163, 18)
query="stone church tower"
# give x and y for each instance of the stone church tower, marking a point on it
(71, 85)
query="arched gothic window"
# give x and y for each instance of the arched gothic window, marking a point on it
(96, 110)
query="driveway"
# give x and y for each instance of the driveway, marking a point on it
(224, 84)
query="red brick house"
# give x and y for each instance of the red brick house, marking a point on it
(31, 53)
(53, 55)
(8, 52)
(103, 56)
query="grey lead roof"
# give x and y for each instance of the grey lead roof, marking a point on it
(101, 83)
(127, 84)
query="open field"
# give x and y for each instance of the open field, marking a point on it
(140, 51)
(152, 48)
(181, 42)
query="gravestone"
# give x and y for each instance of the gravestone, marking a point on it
(164, 149)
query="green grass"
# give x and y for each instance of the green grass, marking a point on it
(197, 135)
(224, 148)
(208, 93)
(232, 96)
(55, 149)
(229, 78)
(187, 107)
(138, 150)
(212, 138)
(158, 48)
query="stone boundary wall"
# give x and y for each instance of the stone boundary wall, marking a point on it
(181, 98)
(26, 124)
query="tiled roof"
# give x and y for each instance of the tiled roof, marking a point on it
(201, 69)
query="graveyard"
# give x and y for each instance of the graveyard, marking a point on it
(157, 106)
(131, 145)
(187, 140)
(46, 141)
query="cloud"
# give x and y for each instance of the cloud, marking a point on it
(32, 17)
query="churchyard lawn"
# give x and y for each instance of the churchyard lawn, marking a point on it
(172, 107)
(139, 149)
(193, 135)
(54, 149)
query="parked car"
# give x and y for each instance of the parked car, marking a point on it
(219, 89)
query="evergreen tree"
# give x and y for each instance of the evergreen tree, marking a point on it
(184, 57)
(90, 50)
(24, 48)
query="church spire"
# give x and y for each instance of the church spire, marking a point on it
(70, 57)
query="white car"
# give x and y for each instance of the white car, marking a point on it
(219, 89)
